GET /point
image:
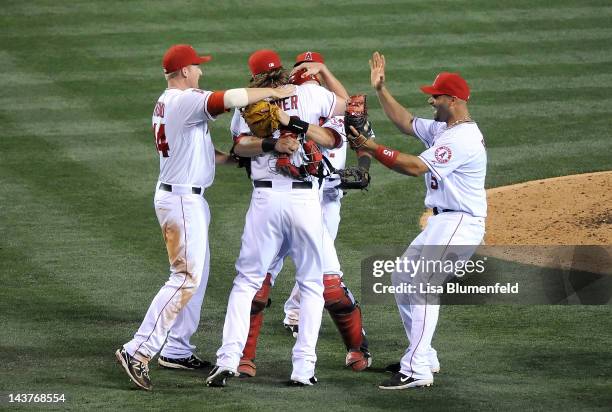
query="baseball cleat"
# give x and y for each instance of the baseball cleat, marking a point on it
(401, 381)
(358, 360)
(137, 371)
(291, 328)
(303, 382)
(396, 367)
(247, 368)
(393, 367)
(190, 363)
(218, 376)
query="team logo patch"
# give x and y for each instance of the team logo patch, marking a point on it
(443, 154)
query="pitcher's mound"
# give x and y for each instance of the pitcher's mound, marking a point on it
(568, 210)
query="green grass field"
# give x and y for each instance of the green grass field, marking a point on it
(81, 250)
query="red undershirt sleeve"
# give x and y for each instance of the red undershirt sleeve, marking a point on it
(215, 104)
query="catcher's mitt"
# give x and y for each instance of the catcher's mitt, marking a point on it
(262, 118)
(356, 115)
(354, 178)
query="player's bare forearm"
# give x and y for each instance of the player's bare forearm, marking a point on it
(321, 136)
(248, 146)
(243, 97)
(332, 83)
(397, 113)
(340, 107)
(222, 158)
(403, 163)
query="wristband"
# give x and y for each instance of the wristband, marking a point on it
(386, 156)
(267, 144)
(296, 125)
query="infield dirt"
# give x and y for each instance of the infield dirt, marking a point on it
(563, 211)
(567, 210)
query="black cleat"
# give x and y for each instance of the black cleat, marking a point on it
(300, 382)
(396, 367)
(401, 381)
(190, 363)
(137, 371)
(218, 376)
(393, 367)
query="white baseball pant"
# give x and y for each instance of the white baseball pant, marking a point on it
(280, 221)
(330, 206)
(174, 313)
(444, 231)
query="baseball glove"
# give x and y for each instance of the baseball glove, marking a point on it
(262, 118)
(356, 115)
(354, 178)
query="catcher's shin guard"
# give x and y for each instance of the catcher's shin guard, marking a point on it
(344, 311)
(259, 303)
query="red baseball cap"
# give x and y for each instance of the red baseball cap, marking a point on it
(263, 61)
(309, 56)
(451, 84)
(181, 55)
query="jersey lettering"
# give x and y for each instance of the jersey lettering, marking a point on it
(288, 103)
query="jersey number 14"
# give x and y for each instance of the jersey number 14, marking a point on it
(160, 140)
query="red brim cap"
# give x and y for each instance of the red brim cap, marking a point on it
(309, 57)
(431, 90)
(264, 60)
(182, 55)
(451, 84)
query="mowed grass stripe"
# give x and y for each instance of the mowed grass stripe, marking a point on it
(417, 43)
(326, 18)
(111, 9)
(397, 62)
(72, 122)
(107, 82)
(82, 214)
(47, 113)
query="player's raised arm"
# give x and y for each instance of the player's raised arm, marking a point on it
(398, 114)
(314, 68)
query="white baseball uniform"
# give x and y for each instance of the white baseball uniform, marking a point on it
(187, 168)
(457, 161)
(284, 218)
(330, 206)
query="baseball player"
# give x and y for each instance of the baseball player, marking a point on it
(454, 164)
(284, 218)
(309, 66)
(187, 168)
(339, 300)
